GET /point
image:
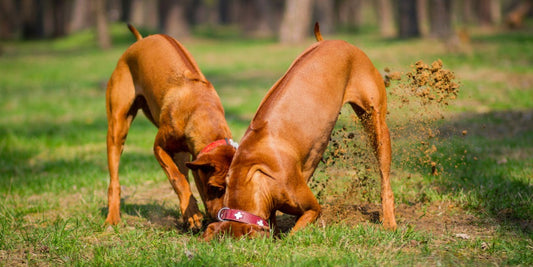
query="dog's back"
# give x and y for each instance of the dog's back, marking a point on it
(308, 98)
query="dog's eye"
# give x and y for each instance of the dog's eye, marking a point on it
(215, 190)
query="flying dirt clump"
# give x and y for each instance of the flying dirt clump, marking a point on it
(429, 83)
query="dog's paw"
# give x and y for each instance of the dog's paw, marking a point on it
(112, 219)
(390, 224)
(195, 222)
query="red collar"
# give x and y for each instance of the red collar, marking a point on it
(227, 214)
(225, 141)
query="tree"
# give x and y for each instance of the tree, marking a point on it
(385, 18)
(257, 18)
(31, 19)
(9, 19)
(144, 13)
(102, 31)
(489, 12)
(423, 16)
(440, 18)
(82, 15)
(60, 21)
(174, 19)
(407, 19)
(325, 14)
(296, 22)
(203, 12)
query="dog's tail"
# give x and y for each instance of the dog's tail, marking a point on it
(318, 36)
(135, 32)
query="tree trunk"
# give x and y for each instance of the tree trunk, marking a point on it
(296, 22)
(496, 13)
(114, 10)
(204, 12)
(485, 12)
(407, 19)
(102, 31)
(31, 21)
(258, 18)
(264, 24)
(9, 19)
(246, 15)
(385, 18)
(489, 12)
(349, 13)
(423, 16)
(325, 15)
(47, 18)
(60, 9)
(151, 14)
(82, 17)
(224, 11)
(136, 15)
(174, 19)
(440, 18)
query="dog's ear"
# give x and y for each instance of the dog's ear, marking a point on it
(215, 163)
(209, 168)
(201, 163)
(217, 181)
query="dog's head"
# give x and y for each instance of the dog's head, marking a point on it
(211, 168)
(234, 229)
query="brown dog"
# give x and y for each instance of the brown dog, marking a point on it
(156, 74)
(289, 133)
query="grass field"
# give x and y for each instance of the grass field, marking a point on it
(478, 209)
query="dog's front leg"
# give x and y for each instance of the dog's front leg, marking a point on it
(311, 209)
(188, 205)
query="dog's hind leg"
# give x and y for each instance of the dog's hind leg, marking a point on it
(373, 116)
(121, 110)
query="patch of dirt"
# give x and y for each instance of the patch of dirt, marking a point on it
(152, 205)
(437, 217)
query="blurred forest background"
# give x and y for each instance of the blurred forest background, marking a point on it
(290, 21)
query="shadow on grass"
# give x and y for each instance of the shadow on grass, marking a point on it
(491, 167)
(25, 153)
(154, 213)
(51, 155)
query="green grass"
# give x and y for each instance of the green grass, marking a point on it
(53, 170)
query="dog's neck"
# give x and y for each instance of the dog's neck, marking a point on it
(206, 126)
